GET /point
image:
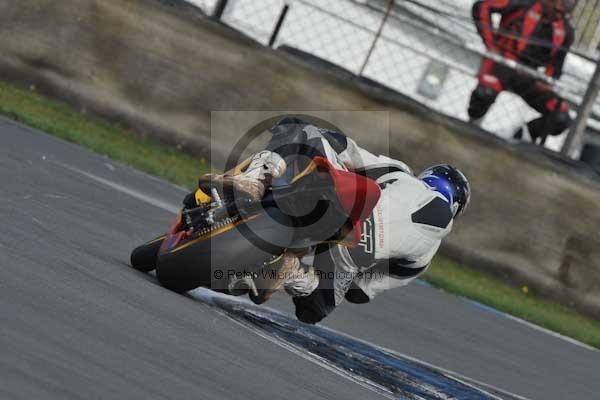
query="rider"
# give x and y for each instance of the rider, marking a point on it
(535, 33)
(398, 240)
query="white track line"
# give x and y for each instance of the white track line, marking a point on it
(529, 324)
(551, 333)
(120, 188)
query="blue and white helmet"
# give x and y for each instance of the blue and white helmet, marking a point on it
(450, 183)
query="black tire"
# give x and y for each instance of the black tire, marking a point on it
(207, 263)
(143, 258)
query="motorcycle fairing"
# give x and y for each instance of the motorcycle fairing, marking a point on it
(356, 195)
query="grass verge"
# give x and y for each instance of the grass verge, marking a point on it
(111, 140)
(147, 155)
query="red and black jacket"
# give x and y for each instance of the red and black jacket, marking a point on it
(523, 35)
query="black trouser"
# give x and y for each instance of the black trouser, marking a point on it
(495, 78)
(321, 302)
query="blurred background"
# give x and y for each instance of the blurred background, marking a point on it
(426, 49)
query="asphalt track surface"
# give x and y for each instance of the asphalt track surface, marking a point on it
(77, 322)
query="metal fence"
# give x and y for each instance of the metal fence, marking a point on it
(586, 19)
(428, 50)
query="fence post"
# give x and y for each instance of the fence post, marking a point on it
(275, 33)
(574, 141)
(383, 21)
(220, 9)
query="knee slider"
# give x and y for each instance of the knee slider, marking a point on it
(313, 308)
(309, 316)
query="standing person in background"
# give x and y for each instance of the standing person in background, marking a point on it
(535, 33)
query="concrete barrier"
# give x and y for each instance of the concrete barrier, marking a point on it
(162, 69)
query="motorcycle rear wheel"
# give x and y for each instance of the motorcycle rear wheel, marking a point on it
(210, 261)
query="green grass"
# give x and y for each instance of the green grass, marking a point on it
(165, 162)
(111, 140)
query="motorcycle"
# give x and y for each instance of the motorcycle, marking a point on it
(217, 236)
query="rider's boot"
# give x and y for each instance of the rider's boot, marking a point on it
(241, 286)
(272, 278)
(303, 283)
(253, 182)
